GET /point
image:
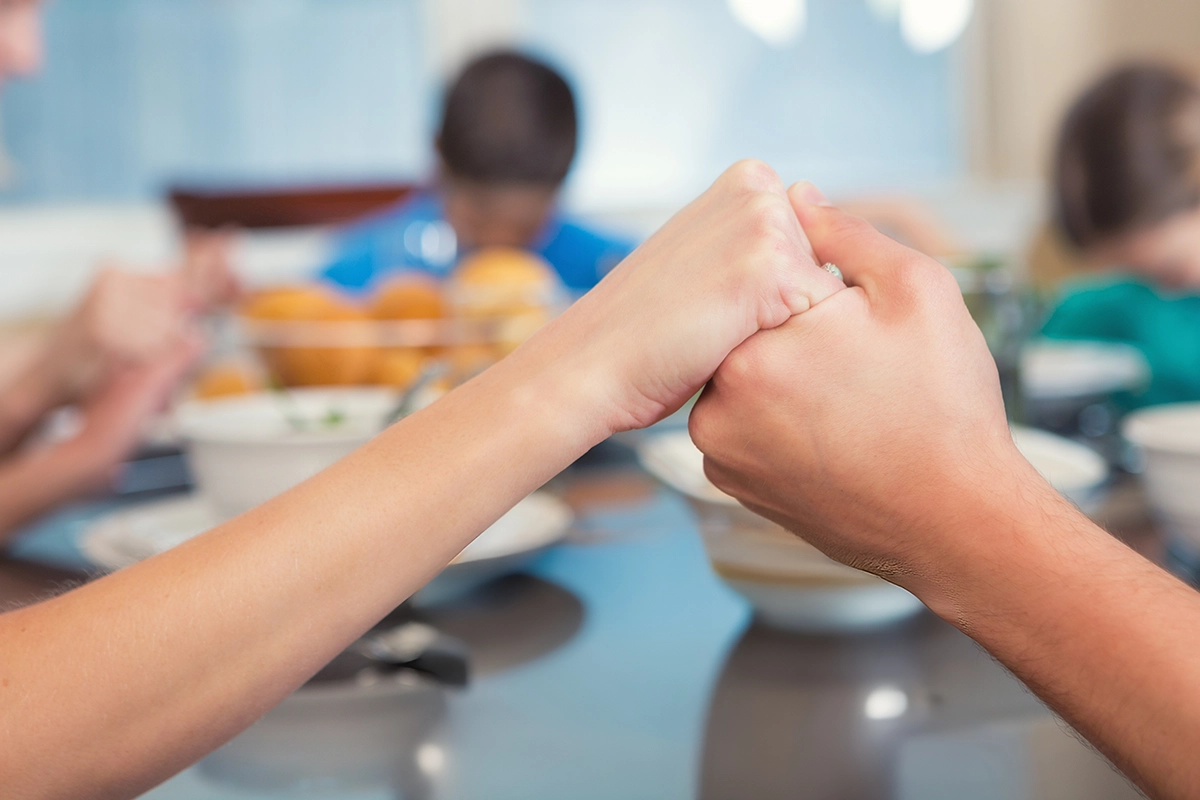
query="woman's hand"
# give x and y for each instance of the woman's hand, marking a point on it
(864, 424)
(653, 331)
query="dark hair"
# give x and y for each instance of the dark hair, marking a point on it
(509, 119)
(1128, 154)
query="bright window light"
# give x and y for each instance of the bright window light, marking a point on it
(777, 22)
(885, 703)
(931, 25)
(886, 10)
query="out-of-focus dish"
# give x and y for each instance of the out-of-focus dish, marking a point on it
(1077, 472)
(358, 723)
(1169, 440)
(245, 449)
(312, 335)
(791, 584)
(1059, 370)
(538, 522)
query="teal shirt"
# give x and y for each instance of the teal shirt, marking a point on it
(1165, 328)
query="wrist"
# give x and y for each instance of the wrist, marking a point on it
(1010, 546)
(565, 387)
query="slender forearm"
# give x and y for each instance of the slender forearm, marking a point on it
(1104, 637)
(305, 574)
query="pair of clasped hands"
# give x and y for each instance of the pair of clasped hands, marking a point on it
(860, 415)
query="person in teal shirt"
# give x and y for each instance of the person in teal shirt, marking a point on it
(505, 145)
(1127, 192)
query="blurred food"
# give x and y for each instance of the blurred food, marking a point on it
(347, 355)
(410, 296)
(225, 379)
(399, 368)
(514, 285)
(310, 335)
(501, 280)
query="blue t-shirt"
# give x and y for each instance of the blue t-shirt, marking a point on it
(415, 236)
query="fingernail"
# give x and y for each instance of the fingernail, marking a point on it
(812, 195)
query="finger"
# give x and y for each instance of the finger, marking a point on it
(808, 193)
(866, 257)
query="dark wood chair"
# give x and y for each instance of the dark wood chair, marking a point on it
(284, 207)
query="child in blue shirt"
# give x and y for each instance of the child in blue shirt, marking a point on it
(505, 145)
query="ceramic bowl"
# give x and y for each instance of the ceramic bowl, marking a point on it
(794, 586)
(1169, 440)
(246, 449)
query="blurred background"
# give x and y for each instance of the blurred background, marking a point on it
(956, 102)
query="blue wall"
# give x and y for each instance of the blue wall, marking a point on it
(141, 92)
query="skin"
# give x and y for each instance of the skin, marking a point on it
(20, 38)
(1168, 254)
(160, 663)
(872, 427)
(503, 215)
(118, 353)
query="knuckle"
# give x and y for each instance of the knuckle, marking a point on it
(718, 476)
(755, 175)
(700, 426)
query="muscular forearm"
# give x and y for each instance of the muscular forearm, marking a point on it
(1104, 637)
(268, 597)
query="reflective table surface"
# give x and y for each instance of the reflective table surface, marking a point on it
(620, 667)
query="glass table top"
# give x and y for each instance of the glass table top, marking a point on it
(621, 667)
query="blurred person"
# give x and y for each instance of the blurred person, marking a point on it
(872, 426)
(1127, 193)
(117, 355)
(505, 145)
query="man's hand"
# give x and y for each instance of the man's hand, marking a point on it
(863, 423)
(872, 426)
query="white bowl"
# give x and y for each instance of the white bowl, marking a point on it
(1169, 439)
(789, 582)
(1054, 370)
(1076, 471)
(244, 450)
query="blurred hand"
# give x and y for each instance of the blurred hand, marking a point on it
(651, 333)
(115, 417)
(872, 425)
(124, 319)
(208, 275)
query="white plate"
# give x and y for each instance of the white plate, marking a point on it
(1057, 370)
(129, 535)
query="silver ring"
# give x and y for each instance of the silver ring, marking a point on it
(832, 269)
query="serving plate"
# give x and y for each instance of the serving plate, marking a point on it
(131, 534)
